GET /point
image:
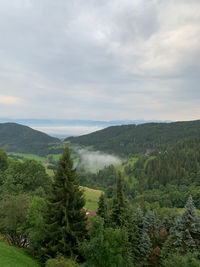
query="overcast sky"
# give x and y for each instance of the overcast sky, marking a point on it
(100, 59)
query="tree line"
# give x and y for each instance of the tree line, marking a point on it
(132, 139)
(46, 216)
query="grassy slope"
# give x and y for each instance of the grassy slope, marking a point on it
(92, 198)
(15, 257)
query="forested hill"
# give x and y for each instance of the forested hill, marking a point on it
(19, 138)
(131, 139)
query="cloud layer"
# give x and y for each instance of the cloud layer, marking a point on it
(105, 60)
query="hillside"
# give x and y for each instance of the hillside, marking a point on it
(132, 139)
(12, 256)
(19, 138)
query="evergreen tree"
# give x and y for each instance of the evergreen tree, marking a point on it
(102, 210)
(185, 234)
(150, 225)
(139, 218)
(145, 246)
(65, 220)
(101, 207)
(133, 234)
(118, 209)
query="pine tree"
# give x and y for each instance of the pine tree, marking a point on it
(65, 220)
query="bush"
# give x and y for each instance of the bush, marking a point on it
(61, 261)
(187, 260)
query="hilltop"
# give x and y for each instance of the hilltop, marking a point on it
(19, 138)
(132, 139)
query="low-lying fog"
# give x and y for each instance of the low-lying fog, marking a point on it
(94, 160)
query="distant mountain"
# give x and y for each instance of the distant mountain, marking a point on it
(131, 139)
(19, 138)
(59, 122)
(65, 128)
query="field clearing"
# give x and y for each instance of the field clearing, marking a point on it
(14, 257)
(92, 198)
(27, 156)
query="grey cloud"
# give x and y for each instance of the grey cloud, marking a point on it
(115, 59)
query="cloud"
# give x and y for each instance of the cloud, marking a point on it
(115, 59)
(95, 160)
(10, 100)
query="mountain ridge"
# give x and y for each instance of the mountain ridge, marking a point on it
(133, 139)
(15, 137)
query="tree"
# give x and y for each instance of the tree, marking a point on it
(13, 210)
(25, 177)
(65, 219)
(185, 234)
(3, 160)
(145, 246)
(150, 225)
(35, 224)
(101, 207)
(107, 247)
(178, 260)
(118, 209)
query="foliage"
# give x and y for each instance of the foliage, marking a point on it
(13, 210)
(133, 139)
(118, 209)
(25, 177)
(65, 220)
(60, 261)
(107, 247)
(101, 207)
(185, 234)
(186, 260)
(3, 160)
(35, 224)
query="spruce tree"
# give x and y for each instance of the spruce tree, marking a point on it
(65, 219)
(139, 218)
(185, 234)
(102, 212)
(118, 209)
(145, 246)
(150, 225)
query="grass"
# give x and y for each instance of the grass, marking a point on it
(92, 198)
(14, 257)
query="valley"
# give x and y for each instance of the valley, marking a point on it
(153, 186)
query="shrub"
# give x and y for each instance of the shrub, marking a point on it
(61, 261)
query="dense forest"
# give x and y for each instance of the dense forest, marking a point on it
(162, 179)
(19, 138)
(146, 216)
(132, 139)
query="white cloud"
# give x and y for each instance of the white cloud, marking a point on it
(10, 100)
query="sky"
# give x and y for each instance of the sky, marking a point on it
(100, 60)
